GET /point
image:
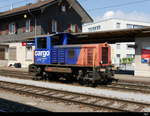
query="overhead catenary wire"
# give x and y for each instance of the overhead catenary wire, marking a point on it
(118, 5)
(17, 2)
(85, 1)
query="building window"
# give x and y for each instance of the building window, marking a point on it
(129, 48)
(117, 25)
(54, 26)
(12, 28)
(89, 29)
(2, 53)
(138, 26)
(63, 8)
(130, 56)
(73, 28)
(129, 26)
(118, 46)
(93, 29)
(98, 27)
(12, 53)
(29, 53)
(118, 55)
(27, 26)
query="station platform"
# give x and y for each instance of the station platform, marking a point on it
(132, 78)
(129, 76)
(14, 69)
(121, 75)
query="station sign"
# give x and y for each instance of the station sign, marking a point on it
(32, 43)
(145, 56)
(24, 43)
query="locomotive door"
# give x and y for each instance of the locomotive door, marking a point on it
(104, 55)
(90, 55)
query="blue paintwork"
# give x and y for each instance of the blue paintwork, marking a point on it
(43, 56)
(72, 60)
(65, 39)
(61, 55)
(56, 55)
(30, 43)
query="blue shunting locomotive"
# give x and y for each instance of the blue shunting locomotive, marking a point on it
(55, 57)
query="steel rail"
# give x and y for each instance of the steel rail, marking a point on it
(117, 86)
(61, 95)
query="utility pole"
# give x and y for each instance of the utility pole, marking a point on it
(26, 2)
(11, 7)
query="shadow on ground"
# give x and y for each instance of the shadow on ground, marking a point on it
(128, 72)
(11, 106)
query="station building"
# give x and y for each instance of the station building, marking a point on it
(41, 18)
(119, 50)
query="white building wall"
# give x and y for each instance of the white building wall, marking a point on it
(141, 69)
(111, 24)
(21, 55)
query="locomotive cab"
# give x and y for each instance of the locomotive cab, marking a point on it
(44, 45)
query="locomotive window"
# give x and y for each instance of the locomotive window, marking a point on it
(41, 43)
(104, 55)
(71, 53)
(57, 40)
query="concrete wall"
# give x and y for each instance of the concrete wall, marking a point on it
(20, 55)
(141, 69)
(111, 24)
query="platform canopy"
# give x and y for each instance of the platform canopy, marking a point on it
(111, 36)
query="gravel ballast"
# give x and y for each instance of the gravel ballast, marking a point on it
(140, 97)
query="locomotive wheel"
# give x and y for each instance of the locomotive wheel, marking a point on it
(54, 77)
(37, 78)
(90, 84)
(45, 76)
(86, 83)
(81, 82)
(50, 76)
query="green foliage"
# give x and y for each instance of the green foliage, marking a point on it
(126, 60)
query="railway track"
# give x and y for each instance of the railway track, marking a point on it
(121, 85)
(16, 74)
(110, 104)
(130, 87)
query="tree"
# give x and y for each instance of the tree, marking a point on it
(126, 61)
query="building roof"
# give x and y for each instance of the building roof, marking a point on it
(132, 21)
(19, 10)
(73, 3)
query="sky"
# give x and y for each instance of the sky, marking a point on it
(128, 9)
(99, 9)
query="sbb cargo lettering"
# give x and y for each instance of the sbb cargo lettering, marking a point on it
(42, 53)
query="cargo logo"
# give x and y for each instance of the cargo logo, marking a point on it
(42, 53)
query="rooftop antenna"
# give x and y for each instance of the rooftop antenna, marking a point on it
(11, 7)
(26, 2)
